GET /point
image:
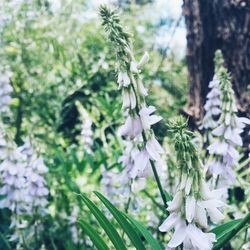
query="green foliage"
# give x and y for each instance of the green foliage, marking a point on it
(136, 232)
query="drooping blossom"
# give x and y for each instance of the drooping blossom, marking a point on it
(227, 139)
(193, 202)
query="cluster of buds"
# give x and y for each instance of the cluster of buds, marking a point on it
(193, 202)
(5, 91)
(86, 136)
(139, 116)
(223, 148)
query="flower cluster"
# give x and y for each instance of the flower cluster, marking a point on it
(13, 179)
(139, 116)
(23, 186)
(227, 134)
(86, 136)
(212, 106)
(36, 183)
(5, 91)
(193, 202)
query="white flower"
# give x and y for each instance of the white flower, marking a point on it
(226, 136)
(5, 91)
(132, 127)
(129, 99)
(154, 149)
(190, 235)
(142, 90)
(170, 222)
(190, 208)
(123, 79)
(176, 203)
(141, 162)
(147, 119)
(86, 136)
(212, 106)
(135, 67)
(36, 183)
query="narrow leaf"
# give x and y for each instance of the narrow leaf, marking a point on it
(126, 226)
(146, 234)
(105, 224)
(95, 238)
(223, 229)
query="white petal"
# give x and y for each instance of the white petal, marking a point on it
(175, 204)
(126, 99)
(154, 149)
(188, 185)
(143, 91)
(205, 192)
(178, 236)
(219, 130)
(132, 99)
(143, 60)
(140, 164)
(201, 216)
(190, 208)
(134, 67)
(154, 119)
(215, 215)
(169, 223)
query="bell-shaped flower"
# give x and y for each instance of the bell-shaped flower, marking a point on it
(154, 149)
(129, 98)
(147, 119)
(123, 79)
(132, 127)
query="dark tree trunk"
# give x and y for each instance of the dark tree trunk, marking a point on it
(212, 25)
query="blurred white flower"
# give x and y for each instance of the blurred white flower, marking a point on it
(36, 183)
(226, 136)
(212, 106)
(123, 79)
(86, 136)
(5, 91)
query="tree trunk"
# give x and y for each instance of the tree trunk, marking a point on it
(212, 25)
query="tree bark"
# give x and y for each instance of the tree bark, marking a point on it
(212, 25)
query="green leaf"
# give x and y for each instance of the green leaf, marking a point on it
(222, 230)
(146, 234)
(126, 226)
(105, 224)
(93, 235)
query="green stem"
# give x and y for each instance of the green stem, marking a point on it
(232, 233)
(153, 200)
